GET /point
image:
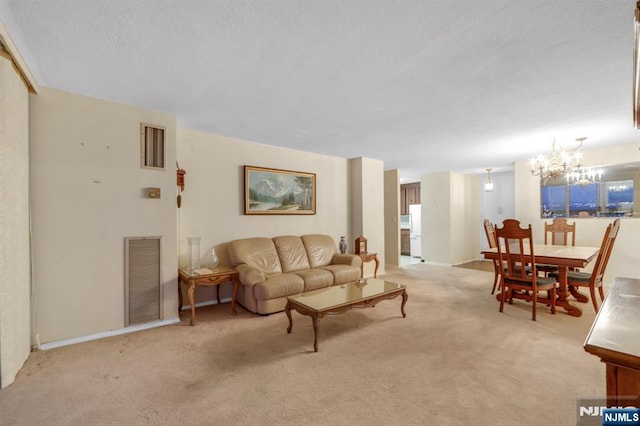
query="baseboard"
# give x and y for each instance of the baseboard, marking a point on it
(436, 263)
(467, 261)
(209, 303)
(110, 333)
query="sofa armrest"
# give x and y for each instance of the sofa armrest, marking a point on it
(346, 259)
(248, 275)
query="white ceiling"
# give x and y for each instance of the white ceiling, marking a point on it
(423, 85)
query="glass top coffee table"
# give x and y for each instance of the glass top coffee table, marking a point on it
(340, 298)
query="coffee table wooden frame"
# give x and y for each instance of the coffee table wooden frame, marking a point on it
(317, 314)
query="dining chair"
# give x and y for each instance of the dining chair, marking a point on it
(558, 232)
(490, 231)
(594, 278)
(515, 252)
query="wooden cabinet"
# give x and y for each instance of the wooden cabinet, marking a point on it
(409, 194)
(405, 243)
(614, 339)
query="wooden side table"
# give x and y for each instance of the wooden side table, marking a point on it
(219, 275)
(368, 257)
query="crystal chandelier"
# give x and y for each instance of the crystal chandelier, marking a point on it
(617, 188)
(583, 177)
(558, 164)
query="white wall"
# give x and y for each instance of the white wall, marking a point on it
(391, 217)
(450, 209)
(15, 321)
(625, 258)
(435, 197)
(367, 201)
(213, 199)
(497, 205)
(464, 209)
(88, 193)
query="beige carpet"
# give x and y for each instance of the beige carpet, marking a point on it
(482, 265)
(454, 360)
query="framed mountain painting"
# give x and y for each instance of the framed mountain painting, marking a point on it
(275, 191)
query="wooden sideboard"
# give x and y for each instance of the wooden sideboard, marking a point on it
(615, 339)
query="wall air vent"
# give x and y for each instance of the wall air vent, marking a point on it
(152, 147)
(143, 283)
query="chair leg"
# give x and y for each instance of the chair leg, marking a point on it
(535, 302)
(601, 293)
(502, 296)
(495, 281)
(553, 300)
(592, 290)
(496, 275)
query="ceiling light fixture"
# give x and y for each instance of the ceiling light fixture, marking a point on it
(558, 164)
(488, 185)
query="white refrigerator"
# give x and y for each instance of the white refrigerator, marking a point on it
(415, 230)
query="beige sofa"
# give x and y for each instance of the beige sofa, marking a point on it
(270, 269)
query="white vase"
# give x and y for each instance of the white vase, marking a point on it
(194, 252)
(214, 258)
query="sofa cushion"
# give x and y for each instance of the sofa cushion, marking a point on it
(343, 273)
(260, 253)
(320, 249)
(291, 252)
(315, 278)
(278, 285)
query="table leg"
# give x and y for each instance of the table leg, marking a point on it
(361, 269)
(179, 297)
(192, 287)
(287, 309)
(405, 296)
(375, 273)
(316, 327)
(577, 295)
(234, 295)
(563, 294)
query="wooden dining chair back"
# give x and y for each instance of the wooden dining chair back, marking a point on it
(490, 231)
(560, 232)
(594, 278)
(515, 252)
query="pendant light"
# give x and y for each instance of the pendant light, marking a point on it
(488, 185)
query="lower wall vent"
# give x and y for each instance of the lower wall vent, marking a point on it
(143, 284)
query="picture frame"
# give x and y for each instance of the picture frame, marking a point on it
(270, 191)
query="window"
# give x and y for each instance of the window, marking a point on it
(554, 200)
(152, 147)
(583, 200)
(611, 197)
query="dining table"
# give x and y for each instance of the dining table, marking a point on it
(564, 257)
